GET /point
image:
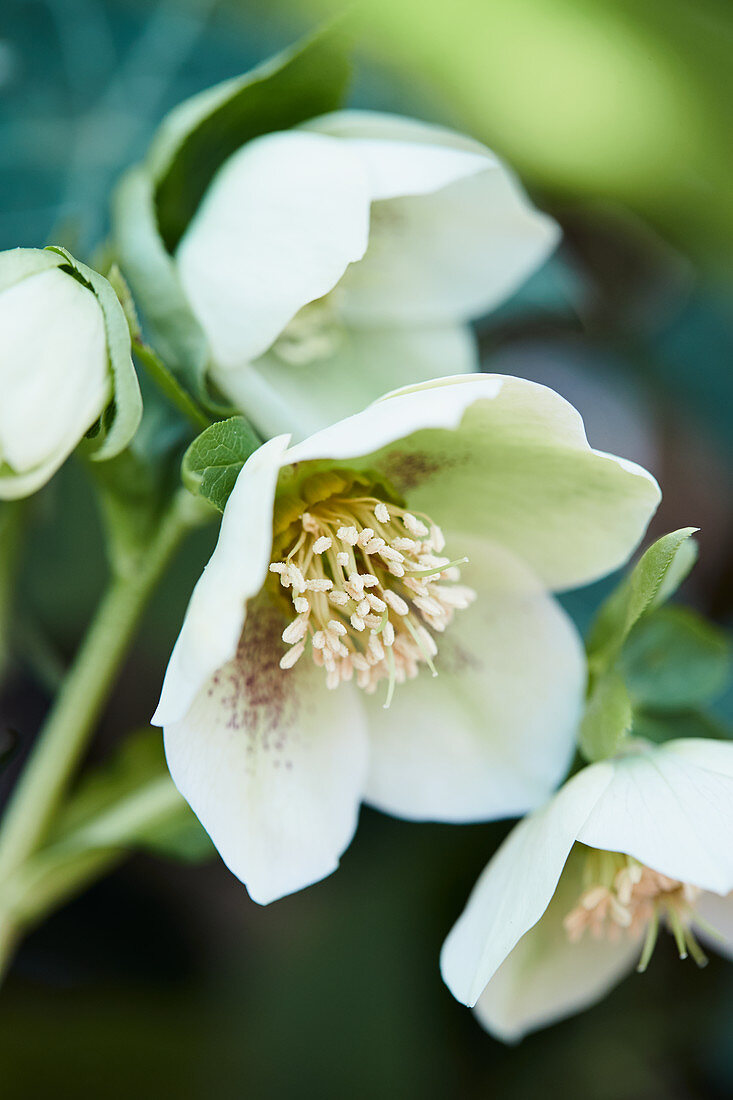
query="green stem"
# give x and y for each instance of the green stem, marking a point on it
(56, 873)
(169, 386)
(65, 733)
(12, 523)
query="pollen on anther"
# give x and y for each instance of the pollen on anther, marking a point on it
(322, 544)
(292, 655)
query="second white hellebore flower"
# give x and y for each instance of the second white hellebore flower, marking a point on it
(335, 261)
(334, 589)
(574, 898)
(54, 369)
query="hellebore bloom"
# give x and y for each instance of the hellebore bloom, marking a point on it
(54, 374)
(574, 898)
(336, 569)
(334, 261)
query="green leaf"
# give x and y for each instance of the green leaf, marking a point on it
(212, 463)
(657, 574)
(674, 659)
(155, 200)
(131, 802)
(307, 80)
(607, 719)
(121, 418)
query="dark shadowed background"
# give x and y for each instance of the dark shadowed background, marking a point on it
(165, 979)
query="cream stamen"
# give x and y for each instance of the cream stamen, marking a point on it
(368, 584)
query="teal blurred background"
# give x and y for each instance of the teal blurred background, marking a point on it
(166, 979)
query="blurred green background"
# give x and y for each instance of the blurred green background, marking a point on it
(165, 979)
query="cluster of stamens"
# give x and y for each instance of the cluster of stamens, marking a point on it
(369, 587)
(622, 896)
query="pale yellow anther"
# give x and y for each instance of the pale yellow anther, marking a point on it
(335, 645)
(414, 526)
(391, 611)
(347, 669)
(319, 585)
(396, 602)
(292, 655)
(295, 630)
(296, 578)
(436, 537)
(354, 587)
(349, 535)
(389, 554)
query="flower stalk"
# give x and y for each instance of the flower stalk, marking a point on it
(66, 731)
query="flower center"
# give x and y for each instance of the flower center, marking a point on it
(622, 895)
(368, 584)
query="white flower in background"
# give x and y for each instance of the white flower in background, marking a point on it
(332, 262)
(333, 570)
(54, 371)
(575, 897)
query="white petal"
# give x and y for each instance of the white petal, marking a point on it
(717, 912)
(518, 471)
(516, 887)
(546, 977)
(453, 254)
(384, 126)
(494, 733)
(671, 808)
(276, 229)
(279, 396)
(272, 764)
(405, 156)
(54, 375)
(237, 568)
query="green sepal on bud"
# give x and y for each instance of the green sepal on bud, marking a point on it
(67, 373)
(156, 200)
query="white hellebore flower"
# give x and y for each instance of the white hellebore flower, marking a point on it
(54, 374)
(574, 898)
(331, 572)
(335, 261)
